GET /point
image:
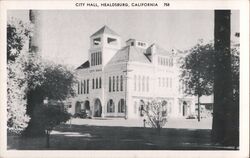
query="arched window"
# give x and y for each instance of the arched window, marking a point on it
(110, 106)
(121, 106)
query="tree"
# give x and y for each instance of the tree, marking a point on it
(196, 69)
(225, 129)
(17, 36)
(55, 83)
(48, 117)
(156, 114)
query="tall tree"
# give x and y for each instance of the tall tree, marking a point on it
(18, 34)
(225, 128)
(196, 70)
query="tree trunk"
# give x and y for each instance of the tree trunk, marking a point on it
(224, 127)
(199, 109)
(47, 139)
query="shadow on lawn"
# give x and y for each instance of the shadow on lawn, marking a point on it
(83, 137)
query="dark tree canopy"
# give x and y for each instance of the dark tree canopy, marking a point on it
(197, 69)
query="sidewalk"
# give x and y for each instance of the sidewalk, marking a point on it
(121, 122)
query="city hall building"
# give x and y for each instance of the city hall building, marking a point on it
(118, 81)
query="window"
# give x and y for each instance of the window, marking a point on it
(132, 43)
(147, 84)
(97, 41)
(167, 82)
(109, 84)
(100, 57)
(134, 82)
(121, 106)
(110, 106)
(112, 41)
(113, 83)
(97, 58)
(139, 83)
(87, 86)
(81, 87)
(143, 83)
(93, 83)
(84, 86)
(167, 62)
(121, 83)
(159, 83)
(96, 82)
(92, 63)
(163, 82)
(170, 82)
(100, 82)
(78, 87)
(117, 83)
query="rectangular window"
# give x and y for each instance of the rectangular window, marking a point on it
(87, 86)
(97, 58)
(96, 83)
(170, 82)
(78, 87)
(93, 83)
(143, 83)
(113, 83)
(110, 84)
(100, 82)
(121, 83)
(100, 57)
(81, 87)
(167, 82)
(117, 83)
(84, 86)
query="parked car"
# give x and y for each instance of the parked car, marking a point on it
(82, 114)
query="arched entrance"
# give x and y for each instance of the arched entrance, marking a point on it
(97, 108)
(184, 109)
(78, 107)
(86, 105)
(142, 108)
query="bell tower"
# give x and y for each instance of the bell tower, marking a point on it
(103, 45)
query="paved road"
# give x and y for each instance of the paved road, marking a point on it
(172, 123)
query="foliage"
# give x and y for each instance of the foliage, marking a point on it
(18, 34)
(197, 69)
(198, 66)
(156, 114)
(49, 117)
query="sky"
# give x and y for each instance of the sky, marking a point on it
(65, 33)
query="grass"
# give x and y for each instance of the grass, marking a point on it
(89, 137)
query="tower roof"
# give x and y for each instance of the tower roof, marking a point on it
(104, 29)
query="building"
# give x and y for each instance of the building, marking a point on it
(134, 74)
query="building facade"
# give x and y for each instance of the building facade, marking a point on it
(118, 81)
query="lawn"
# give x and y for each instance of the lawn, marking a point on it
(93, 137)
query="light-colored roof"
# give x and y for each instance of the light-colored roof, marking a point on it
(104, 29)
(130, 54)
(159, 50)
